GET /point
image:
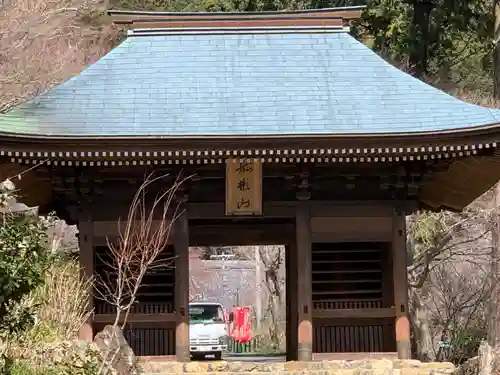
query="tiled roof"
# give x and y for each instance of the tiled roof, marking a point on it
(242, 84)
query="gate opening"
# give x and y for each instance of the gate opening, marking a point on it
(250, 283)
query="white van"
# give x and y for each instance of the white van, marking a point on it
(208, 330)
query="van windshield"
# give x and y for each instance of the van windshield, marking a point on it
(206, 314)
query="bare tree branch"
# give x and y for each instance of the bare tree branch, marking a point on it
(44, 42)
(141, 242)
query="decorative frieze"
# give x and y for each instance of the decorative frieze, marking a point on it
(199, 157)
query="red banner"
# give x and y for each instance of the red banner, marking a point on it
(240, 328)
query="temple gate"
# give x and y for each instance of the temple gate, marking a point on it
(345, 146)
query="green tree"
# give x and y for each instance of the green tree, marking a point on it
(445, 42)
(23, 261)
(496, 50)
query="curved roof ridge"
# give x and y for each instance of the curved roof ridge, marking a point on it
(301, 11)
(201, 85)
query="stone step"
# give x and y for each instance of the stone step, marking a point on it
(355, 367)
(406, 371)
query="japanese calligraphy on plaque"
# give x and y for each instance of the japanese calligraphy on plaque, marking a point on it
(243, 187)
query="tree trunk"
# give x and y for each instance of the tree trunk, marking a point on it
(417, 59)
(258, 294)
(485, 359)
(494, 301)
(496, 51)
(271, 260)
(421, 329)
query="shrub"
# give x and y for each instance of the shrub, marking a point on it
(62, 300)
(43, 301)
(68, 357)
(63, 359)
(465, 343)
(59, 305)
(23, 263)
(23, 368)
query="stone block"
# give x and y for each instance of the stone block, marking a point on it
(356, 364)
(415, 371)
(384, 364)
(438, 365)
(164, 367)
(196, 367)
(219, 366)
(336, 367)
(333, 365)
(116, 351)
(406, 363)
(293, 366)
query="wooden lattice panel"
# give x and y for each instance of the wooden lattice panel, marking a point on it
(156, 294)
(348, 338)
(151, 341)
(347, 275)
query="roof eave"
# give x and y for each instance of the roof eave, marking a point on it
(437, 135)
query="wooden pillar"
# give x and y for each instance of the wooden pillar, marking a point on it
(181, 247)
(304, 281)
(400, 284)
(291, 293)
(85, 236)
(388, 298)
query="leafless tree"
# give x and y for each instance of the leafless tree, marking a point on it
(141, 241)
(490, 353)
(457, 242)
(272, 258)
(223, 279)
(44, 42)
(457, 301)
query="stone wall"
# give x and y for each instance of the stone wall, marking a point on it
(357, 367)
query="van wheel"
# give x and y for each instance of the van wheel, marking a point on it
(218, 356)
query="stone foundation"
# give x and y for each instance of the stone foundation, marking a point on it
(357, 367)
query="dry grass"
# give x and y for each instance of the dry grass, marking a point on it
(60, 306)
(478, 98)
(266, 343)
(64, 300)
(45, 42)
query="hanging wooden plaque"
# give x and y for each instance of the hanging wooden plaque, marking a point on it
(243, 187)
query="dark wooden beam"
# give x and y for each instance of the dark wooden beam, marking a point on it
(387, 312)
(136, 318)
(318, 209)
(110, 197)
(262, 234)
(217, 210)
(316, 171)
(109, 210)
